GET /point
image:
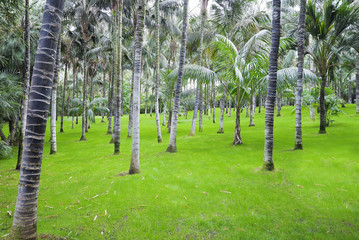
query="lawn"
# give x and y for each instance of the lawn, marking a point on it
(207, 190)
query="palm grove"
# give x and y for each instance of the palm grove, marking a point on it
(111, 58)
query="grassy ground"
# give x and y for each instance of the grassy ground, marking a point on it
(208, 190)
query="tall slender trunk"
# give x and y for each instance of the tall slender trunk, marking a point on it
(13, 130)
(26, 82)
(146, 99)
(230, 107)
(279, 105)
(260, 104)
(323, 117)
(252, 110)
(298, 100)
(135, 157)
(157, 108)
(84, 95)
(237, 139)
(195, 111)
(200, 119)
(73, 92)
(25, 219)
(77, 95)
(247, 109)
(103, 93)
(209, 100)
(130, 112)
(357, 88)
(53, 142)
(223, 103)
(63, 99)
(214, 102)
(272, 85)
(172, 146)
(164, 114)
(350, 92)
(118, 70)
(110, 99)
(2, 136)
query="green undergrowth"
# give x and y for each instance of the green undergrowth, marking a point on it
(207, 190)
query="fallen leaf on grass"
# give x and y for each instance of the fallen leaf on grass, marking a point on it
(189, 174)
(156, 196)
(239, 229)
(105, 212)
(95, 218)
(205, 193)
(95, 196)
(299, 186)
(5, 235)
(10, 213)
(86, 187)
(225, 191)
(225, 229)
(185, 198)
(70, 177)
(49, 206)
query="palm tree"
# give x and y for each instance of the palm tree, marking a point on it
(53, 142)
(25, 219)
(272, 83)
(135, 157)
(298, 113)
(327, 27)
(63, 97)
(157, 75)
(172, 147)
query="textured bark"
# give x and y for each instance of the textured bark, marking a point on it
(200, 119)
(323, 117)
(164, 114)
(146, 99)
(74, 75)
(247, 109)
(214, 102)
(84, 95)
(223, 102)
(118, 70)
(279, 105)
(135, 157)
(26, 82)
(63, 100)
(25, 219)
(252, 110)
(230, 108)
(260, 104)
(357, 89)
(130, 113)
(110, 100)
(157, 107)
(195, 112)
(172, 147)
(272, 84)
(53, 142)
(237, 139)
(103, 93)
(208, 95)
(298, 144)
(13, 128)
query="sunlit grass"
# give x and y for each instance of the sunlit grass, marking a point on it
(208, 189)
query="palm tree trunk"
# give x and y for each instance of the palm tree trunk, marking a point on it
(53, 142)
(63, 99)
(84, 95)
(146, 100)
(200, 119)
(252, 110)
(118, 70)
(357, 89)
(298, 100)
(25, 219)
(209, 100)
(135, 157)
(157, 108)
(110, 99)
(223, 103)
(130, 113)
(73, 92)
(260, 104)
(172, 147)
(272, 85)
(322, 105)
(26, 81)
(164, 114)
(103, 93)
(237, 140)
(230, 108)
(279, 105)
(214, 102)
(195, 111)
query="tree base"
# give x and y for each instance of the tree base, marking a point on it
(83, 138)
(298, 146)
(159, 139)
(200, 130)
(267, 166)
(171, 149)
(61, 130)
(112, 141)
(191, 134)
(52, 152)
(220, 131)
(129, 136)
(133, 171)
(251, 125)
(322, 131)
(237, 142)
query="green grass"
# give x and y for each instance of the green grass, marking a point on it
(312, 194)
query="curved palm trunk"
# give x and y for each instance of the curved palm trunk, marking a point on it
(26, 81)
(200, 119)
(214, 102)
(272, 84)
(135, 157)
(237, 139)
(53, 143)
(84, 94)
(157, 108)
(63, 100)
(223, 103)
(172, 147)
(25, 219)
(118, 69)
(298, 100)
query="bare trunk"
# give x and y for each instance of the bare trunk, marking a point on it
(164, 114)
(357, 89)
(223, 102)
(252, 110)
(230, 108)
(63, 100)
(110, 99)
(214, 102)
(279, 105)
(323, 117)
(200, 119)
(157, 107)
(195, 111)
(84, 95)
